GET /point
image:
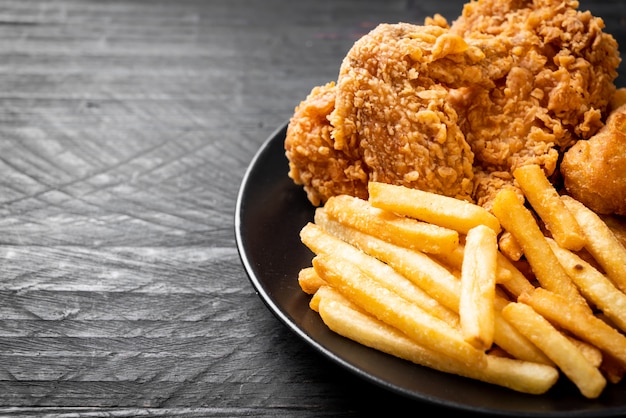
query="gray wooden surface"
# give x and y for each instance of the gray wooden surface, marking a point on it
(125, 129)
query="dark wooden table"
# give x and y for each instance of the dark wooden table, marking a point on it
(126, 127)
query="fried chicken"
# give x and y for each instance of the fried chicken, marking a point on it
(454, 109)
(594, 171)
(314, 161)
(393, 112)
(555, 84)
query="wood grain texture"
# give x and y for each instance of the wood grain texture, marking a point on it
(125, 129)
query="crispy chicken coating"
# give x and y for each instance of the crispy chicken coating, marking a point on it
(454, 109)
(594, 171)
(554, 69)
(313, 159)
(392, 110)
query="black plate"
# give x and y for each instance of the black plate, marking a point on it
(270, 212)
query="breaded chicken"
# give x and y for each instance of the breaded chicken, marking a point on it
(553, 88)
(594, 171)
(454, 109)
(393, 111)
(313, 160)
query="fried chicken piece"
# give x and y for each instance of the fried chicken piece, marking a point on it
(313, 160)
(594, 170)
(385, 119)
(392, 108)
(556, 83)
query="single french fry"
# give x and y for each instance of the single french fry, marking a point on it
(518, 220)
(545, 200)
(309, 280)
(509, 246)
(578, 321)
(328, 292)
(507, 337)
(437, 209)
(517, 283)
(521, 376)
(557, 347)
(506, 272)
(594, 285)
(592, 353)
(453, 260)
(602, 244)
(400, 230)
(511, 340)
(394, 310)
(434, 279)
(321, 242)
(478, 287)
(314, 303)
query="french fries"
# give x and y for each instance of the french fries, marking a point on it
(601, 242)
(414, 265)
(594, 285)
(435, 279)
(448, 285)
(403, 231)
(376, 299)
(519, 221)
(346, 319)
(310, 281)
(580, 322)
(320, 242)
(558, 347)
(545, 200)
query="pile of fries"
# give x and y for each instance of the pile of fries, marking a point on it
(516, 296)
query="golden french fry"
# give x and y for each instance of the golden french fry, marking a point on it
(545, 200)
(453, 260)
(309, 280)
(321, 242)
(557, 347)
(602, 244)
(592, 353)
(400, 230)
(578, 321)
(507, 337)
(478, 286)
(506, 273)
(594, 285)
(314, 303)
(517, 283)
(341, 317)
(444, 211)
(327, 292)
(434, 279)
(394, 310)
(509, 246)
(518, 220)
